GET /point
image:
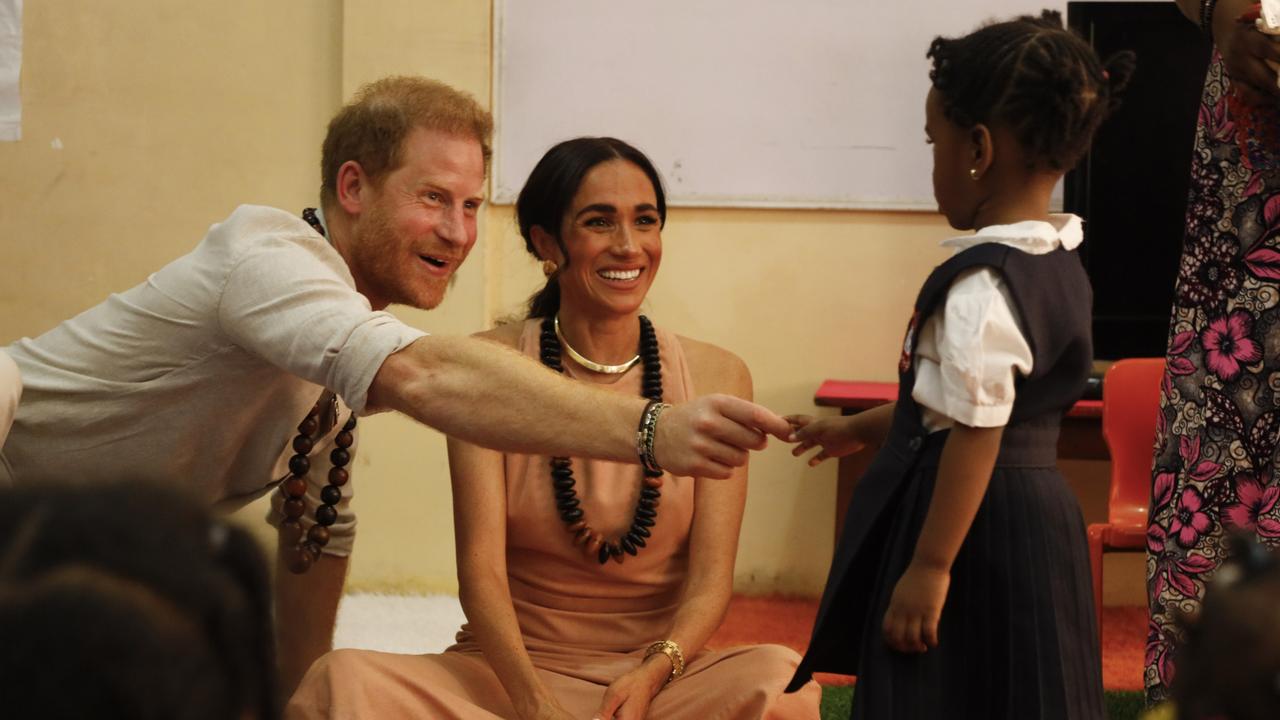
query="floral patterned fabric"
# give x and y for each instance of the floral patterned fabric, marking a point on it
(1218, 428)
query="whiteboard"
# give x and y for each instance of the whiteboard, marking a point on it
(746, 103)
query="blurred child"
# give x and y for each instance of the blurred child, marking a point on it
(961, 584)
(1229, 667)
(132, 602)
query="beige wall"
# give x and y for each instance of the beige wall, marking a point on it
(143, 124)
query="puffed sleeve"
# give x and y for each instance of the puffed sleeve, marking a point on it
(978, 352)
(286, 302)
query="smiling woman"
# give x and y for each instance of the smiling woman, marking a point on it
(590, 587)
(576, 196)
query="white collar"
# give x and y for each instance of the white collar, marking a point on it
(1034, 236)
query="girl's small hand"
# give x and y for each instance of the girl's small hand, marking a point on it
(835, 435)
(628, 697)
(911, 623)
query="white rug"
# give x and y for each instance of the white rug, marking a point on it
(413, 624)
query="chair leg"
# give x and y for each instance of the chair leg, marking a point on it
(1095, 564)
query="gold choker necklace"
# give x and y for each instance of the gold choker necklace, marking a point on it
(590, 365)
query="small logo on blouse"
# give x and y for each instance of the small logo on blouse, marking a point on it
(908, 344)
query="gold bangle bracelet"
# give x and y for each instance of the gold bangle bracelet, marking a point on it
(672, 650)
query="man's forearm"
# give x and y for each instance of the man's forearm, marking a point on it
(306, 610)
(492, 396)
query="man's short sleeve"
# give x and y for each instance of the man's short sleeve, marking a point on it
(290, 300)
(10, 393)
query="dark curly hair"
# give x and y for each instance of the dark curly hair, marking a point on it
(1033, 76)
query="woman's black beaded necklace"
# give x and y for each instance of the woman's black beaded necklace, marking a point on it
(567, 502)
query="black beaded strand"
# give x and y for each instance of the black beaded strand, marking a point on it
(562, 481)
(303, 552)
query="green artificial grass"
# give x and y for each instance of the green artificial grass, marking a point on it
(837, 703)
(1125, 704)
(1121, 705)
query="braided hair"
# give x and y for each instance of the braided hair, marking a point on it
(1033, 76)
(130, 601)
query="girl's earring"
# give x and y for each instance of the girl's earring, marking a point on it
(549, 267)
(973, 173)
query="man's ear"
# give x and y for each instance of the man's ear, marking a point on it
(351, 187)
(981, 149)
(546, 245)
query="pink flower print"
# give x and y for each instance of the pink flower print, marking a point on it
(1189, 448)
(1181, 574)
(1181, 342)
(1189, 519)
(1208, 274)
(1255, 501)
(1271, 214)
(1217, 121)
(1161, 491)
(1228, 346)
(1158, 655)
(1156, 537)
(1161, 494)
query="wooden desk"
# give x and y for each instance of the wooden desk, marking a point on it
(1081, 437)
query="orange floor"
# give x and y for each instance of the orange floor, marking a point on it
(788, 621)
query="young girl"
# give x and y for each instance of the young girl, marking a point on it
(961, 585)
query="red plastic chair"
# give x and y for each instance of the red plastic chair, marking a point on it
(1130, 401)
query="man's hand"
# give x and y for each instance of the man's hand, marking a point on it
(628, 697)
(711, 435)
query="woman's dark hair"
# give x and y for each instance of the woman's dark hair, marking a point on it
(131, 601)
(1033, 76)
(1229, 665)
(547, 194)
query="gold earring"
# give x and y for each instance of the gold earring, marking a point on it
(973, 173)
(549, 267)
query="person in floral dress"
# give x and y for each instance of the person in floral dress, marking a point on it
(1214, 471)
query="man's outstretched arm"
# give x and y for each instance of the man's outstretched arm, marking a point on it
(492, 396)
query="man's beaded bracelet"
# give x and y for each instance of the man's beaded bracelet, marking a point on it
(647, 433)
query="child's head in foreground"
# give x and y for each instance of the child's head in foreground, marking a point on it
(1229, 666)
